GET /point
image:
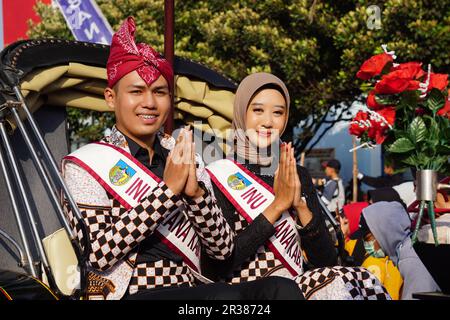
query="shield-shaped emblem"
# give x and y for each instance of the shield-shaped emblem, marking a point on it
(121, 173)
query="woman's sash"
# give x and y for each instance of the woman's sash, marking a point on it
(251, 196)
(129, 181)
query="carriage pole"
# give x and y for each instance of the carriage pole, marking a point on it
(169, 22)
(355, 169)
(6, 171)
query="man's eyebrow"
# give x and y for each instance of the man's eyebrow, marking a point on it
(161, 87)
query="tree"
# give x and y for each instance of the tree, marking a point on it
(315, 46)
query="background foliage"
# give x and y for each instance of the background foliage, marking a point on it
(315, 46)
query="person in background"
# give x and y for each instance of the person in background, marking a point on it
(333, 194)
(385, 228)
(350, 219)
(361, 195)
(366, 252)
(389, 179)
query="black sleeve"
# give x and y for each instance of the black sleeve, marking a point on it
(246, 243)
(316, 240)
(382, 181)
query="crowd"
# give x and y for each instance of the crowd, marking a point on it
(377, 232)
(161, 225)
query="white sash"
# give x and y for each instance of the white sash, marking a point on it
(129, 181)
(251, 196)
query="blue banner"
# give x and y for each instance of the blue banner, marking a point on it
(86, 21)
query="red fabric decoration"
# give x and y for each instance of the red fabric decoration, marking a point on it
(126, 56)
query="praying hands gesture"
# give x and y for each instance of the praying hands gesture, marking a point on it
(180, 172)
(287, 189)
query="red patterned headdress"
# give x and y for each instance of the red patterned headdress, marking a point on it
(126, 56)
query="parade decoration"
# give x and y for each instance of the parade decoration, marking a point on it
(408, 111)
(86, 21)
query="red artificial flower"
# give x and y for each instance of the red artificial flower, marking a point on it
(373, 66)
(412, 70)
(372, 103)
(403, 77)
(398, 81)
(445, 110)
(378, 129)
(356, 127)
(388, 114)
(438, 81)
(391, 85)
(413, 85)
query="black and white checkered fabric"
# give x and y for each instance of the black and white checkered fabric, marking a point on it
(256, 266)
(341, 283)
(331, 283)
(240, 223)
(159, 274)
(211, 226)
(115, 233)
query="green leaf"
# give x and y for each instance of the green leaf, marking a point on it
(366, 87)
(411, 160)
(443, 149)
(408, 100)
(439, 162)
(388, 99)
(402, 145)
(433, 132)
(435, 100)
(446, 134)
(417, 130)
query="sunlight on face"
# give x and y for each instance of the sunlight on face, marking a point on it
(140, 109)
(265, 117)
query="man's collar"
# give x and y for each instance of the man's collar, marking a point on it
(119, 139)
(135, 147)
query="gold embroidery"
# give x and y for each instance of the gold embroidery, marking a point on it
(99, 287)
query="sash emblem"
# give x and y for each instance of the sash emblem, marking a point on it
(238, 182)
(121, 173)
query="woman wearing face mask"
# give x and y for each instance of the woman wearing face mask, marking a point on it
(273, 206)
(367, 252)
(385, 229)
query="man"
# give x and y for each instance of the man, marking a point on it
(333, 194)
(148, 216)
(389, 179)
(403, 193)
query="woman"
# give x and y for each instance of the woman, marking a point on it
(276, 214)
